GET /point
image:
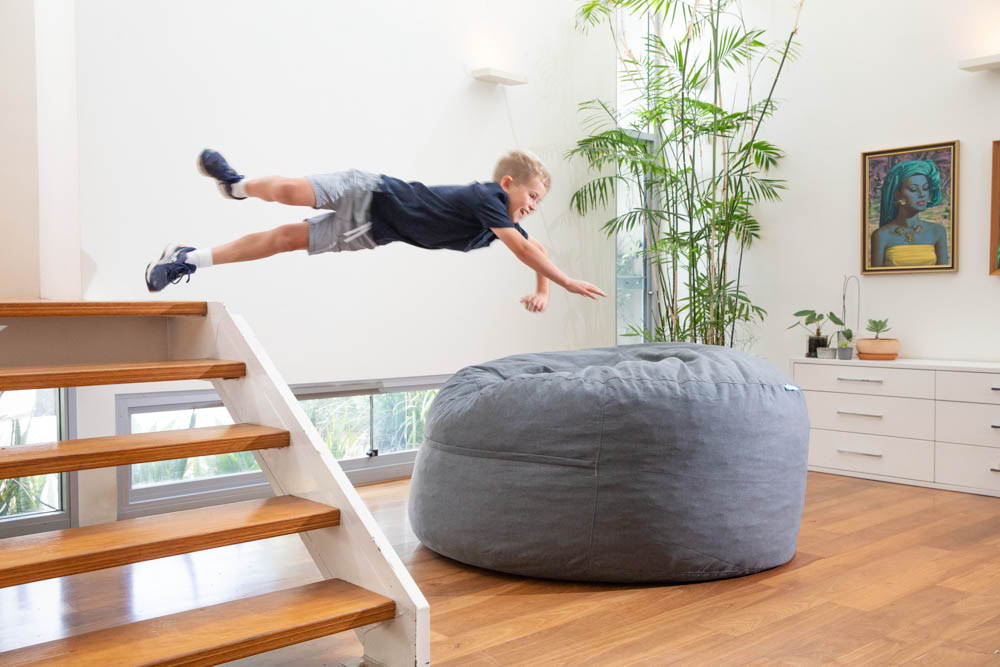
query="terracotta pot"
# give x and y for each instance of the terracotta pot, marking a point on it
(878, 348)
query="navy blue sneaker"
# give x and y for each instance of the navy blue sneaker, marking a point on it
(170, 268)
(212, 164)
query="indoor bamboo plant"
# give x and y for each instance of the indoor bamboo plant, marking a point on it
(689, 143)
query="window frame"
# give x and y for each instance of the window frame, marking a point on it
(648, 289)
(176, 496)
(68, 516)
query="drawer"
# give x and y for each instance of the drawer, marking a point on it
(965, 465)
(875, 454)
(969, 387)
(877, 381)
(968, 423)
(878, 415)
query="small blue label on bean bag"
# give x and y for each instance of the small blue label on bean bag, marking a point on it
(791, 387)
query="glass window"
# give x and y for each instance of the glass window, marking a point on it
(630, 273)
(199, 467)
(30, 417)
(631, 293)
(344, 423)
(353, 426)
(399, 419)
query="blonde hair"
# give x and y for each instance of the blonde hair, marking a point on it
(522, 166)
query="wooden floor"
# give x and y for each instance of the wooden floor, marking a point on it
(885, 574)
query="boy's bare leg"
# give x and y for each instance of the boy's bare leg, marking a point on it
(233, 185)
(180, 261)
(264, 244)
(293, 191)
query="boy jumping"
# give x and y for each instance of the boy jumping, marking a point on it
(369, 210)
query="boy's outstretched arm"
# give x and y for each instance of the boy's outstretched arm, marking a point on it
(526, 251)
(537, 302)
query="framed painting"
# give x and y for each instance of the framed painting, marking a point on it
(909, 209)
(995, 214)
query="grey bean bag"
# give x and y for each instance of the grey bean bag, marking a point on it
(668, 462)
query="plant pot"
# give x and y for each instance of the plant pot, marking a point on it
(846, 353)
(814, 342)
(878, 348)
(826, 352)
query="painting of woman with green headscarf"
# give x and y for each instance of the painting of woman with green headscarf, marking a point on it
(909, 223)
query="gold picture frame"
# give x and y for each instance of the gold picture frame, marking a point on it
(994, 262)
(909, 209)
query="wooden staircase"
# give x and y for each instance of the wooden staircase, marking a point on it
(219, 633)
(366, 586)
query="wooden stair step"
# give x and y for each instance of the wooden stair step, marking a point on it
(81, 375)
(219, 633)
(41, 308)
(66, 455)
(63, 552)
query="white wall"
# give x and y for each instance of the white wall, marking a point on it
(308, 86)
(876, 75)
(19, 165)
(59, 275)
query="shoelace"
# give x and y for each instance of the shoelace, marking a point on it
(178, 270)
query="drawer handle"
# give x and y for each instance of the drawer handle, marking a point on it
(860, 414)
(852, 451)
(875, 381)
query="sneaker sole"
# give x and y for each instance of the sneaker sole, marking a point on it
(201, 167)
(219, 184)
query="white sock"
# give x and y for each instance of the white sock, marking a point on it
(239, 188)
(200, 258)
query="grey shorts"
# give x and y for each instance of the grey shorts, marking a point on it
(348, 194)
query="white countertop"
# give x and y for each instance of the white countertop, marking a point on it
(903, 362)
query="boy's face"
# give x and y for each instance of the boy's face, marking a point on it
(522, 198)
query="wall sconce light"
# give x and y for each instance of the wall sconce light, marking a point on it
(980, 64)
(491, 75)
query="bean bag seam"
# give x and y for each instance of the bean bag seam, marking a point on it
(670, 473)
(510, 456)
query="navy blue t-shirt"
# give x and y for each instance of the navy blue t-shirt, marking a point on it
(456, 217)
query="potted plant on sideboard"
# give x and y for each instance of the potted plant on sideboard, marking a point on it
(845, 350)
(816, 338)
(885, 349)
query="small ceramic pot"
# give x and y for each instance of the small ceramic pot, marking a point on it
(878, 348)
(814, 342)
(846, 353)
(826, 352)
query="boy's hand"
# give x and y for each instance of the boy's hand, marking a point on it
(584, 289)
(535, 303)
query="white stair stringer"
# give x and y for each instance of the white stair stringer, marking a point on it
(356, 551)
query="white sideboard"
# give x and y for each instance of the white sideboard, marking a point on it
(911, 421)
